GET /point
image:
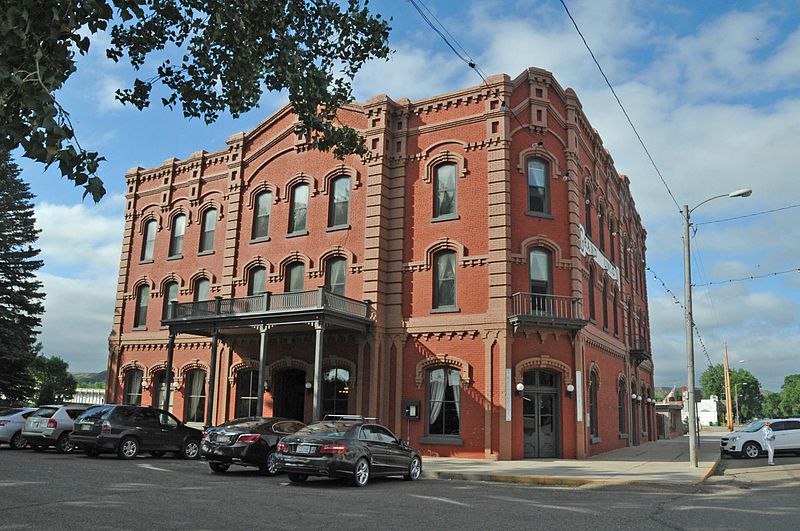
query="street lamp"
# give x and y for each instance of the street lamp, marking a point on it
(736, 397)
(687, 287)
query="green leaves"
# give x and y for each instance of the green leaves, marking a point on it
(230, 53)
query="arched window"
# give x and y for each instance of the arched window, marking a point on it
(133, 387)
(142, 298)
(261, 214)
(335, 391)
(591, 293)
(176, 239)
(621, 401)
(444, 190)
(295, 274)
(201, 287)
(540, 268)
(257, 281)
(335, 275)
(149, 241)
(587, 199)
(170, 294)
(208, 230)
(605, 304)
(194, 396)
(594, 425)
(538, 186)
(298, 213)
(247, 394)
(444, 401)
(339, 203)
(444, 284)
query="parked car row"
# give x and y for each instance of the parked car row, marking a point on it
(340, 446)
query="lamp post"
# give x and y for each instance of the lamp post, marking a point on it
(687, 288)
(736, 396)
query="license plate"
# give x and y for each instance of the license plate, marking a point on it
(304, 449)
(222, 439)
(86, 427)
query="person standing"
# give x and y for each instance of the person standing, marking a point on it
(769, 440)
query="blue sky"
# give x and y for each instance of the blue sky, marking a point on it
(714, 91)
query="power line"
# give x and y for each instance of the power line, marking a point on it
(748, 215)
(625, 112)
(751, 277)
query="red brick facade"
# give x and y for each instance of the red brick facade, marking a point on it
(501, 330)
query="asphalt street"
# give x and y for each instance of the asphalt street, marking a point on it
(54, 491)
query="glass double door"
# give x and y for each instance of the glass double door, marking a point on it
(540, 414)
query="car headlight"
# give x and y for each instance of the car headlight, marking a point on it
(733, 439)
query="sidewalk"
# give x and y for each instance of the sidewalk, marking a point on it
(660, 462)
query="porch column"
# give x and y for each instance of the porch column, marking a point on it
(317, 405)
(262, 368)
(168, 376)
(212, 380)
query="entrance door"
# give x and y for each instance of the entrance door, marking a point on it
(289, 394)
(541, 414)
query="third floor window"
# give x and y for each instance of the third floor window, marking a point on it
(338, 209)
(298, 215)
(538, 186)
(176, 239)
(261, 215)
(444, 191)
(149, 241)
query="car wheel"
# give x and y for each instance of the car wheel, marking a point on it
(270, 465)
(297, 478)
(64, 445)
(157, 453)
(128, 448)
(360, 474)
(91, 452)
(751, 450)
(414, 470)
(17, 441)
(38, 447)
(219, 468)
(191, 449)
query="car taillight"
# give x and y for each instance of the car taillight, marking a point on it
(106, 427)
(3, 422)
(205, 436)
(52, 423)
(249, 437)
(333, 449)
(283, 447)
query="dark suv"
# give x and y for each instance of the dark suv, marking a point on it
(128, 430)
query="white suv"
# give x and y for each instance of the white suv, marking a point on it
(748, 441)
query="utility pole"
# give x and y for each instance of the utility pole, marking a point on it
(728, 401)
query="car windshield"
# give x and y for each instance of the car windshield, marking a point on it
(8, 411)
(95, 413)
(327, 429)
(754, 426)
(45, 412)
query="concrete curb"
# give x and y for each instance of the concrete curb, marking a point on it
(522, 479)
(710, 471)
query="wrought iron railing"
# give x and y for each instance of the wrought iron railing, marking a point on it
(546, 306)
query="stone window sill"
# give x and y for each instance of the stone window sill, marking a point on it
(141, 262)
(205, 253)
(175, 257)
(448, 309)
(259, 240)
(543, 215)
(296, 234)
(337, 227)
(446, 217)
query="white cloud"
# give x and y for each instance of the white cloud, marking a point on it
(106, 95)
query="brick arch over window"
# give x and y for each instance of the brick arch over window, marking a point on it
(149, 213)
(189, 366)
(178, 210)
(256, 261)
(444, 244)
(170, 277)
(287, 363)
(201, 273)
(138, 283)
(621, 380)
(594, 368)
(294, 256)
(246, 364)
(301, 178)
(445, 157)
(209, 201)
(438, 361)
(337, 362)
(537, 151)
(133, 365)
(542, 362)
(545, 243)
(341, 171)
(334, 252)
(152, 371)
(263, 186)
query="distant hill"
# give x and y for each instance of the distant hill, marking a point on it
(90, 379)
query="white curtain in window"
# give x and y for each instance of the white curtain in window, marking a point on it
(436, 389)
(197, 392)
(455, 384)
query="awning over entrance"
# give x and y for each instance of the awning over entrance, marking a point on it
(319, 309)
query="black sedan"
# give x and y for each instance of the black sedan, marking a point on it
(352, 448)
(249, 441)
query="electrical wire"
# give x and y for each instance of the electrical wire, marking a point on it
(746, 215)
(751, 277)
(625, 112)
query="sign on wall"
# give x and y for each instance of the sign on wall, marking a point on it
(588, 248)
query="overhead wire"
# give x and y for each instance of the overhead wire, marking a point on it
(746, 215)
(751, 277)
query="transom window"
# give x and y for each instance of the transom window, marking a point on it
(261, 215)
(201, 287)
(444, 183)
(335, 275)
(444, 401)
(247, 394)
(298, 215)
(295, 274)
(339, 206)
(149, 241)
(257, 283)
(208, 230)
(444, 287)
(195, 397)
(133, 387)
(142, 299)
(335, 391)
(170, 294)
(176, 240)
(538, 186)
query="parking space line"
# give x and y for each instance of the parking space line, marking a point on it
(443, 500)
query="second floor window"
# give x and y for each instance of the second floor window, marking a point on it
(538, 187)
(201, 288)
(539, 263)
(257, 283)
(445, 191)
(444, 286)
(170, 294)
(208, 230)
(261, 215)
(176, 240)
(298, 215)
(294, 277)
(338, 209)
(335, 273)
(142, 298)
(149, 241)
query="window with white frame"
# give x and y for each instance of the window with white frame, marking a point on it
(339, 203)
(538, 186)
(149, 241)
(176, 238)
(261, 213)
(444, 401)
(298, 212)
(208, 230)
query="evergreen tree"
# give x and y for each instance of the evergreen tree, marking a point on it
(20, 292)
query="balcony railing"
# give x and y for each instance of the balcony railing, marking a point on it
(318, 299)
(534, 309)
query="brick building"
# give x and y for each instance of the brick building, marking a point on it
(476, 282)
